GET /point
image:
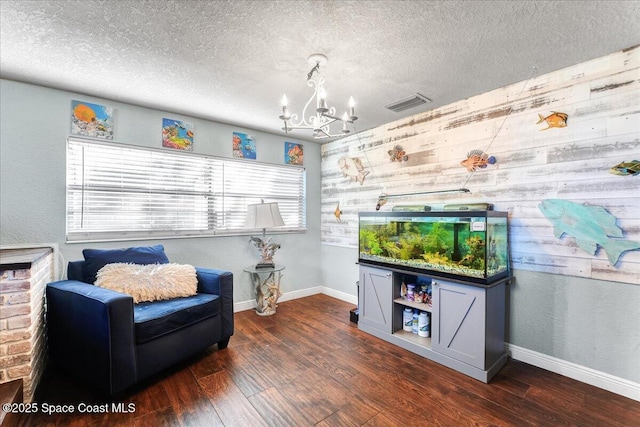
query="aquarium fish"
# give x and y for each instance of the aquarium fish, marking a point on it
(477, 159)
(190, 134)
(338, 213)
(626, 168)
(352, 167)
(554, 120)
(589, 225)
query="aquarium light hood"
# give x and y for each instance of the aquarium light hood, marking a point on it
(382, 199)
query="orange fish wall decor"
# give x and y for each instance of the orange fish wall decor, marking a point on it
(554, 120)
(338, 213)
(477, 159)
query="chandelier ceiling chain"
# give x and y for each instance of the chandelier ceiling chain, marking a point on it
(324, 116)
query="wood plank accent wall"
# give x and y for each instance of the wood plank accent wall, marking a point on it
(602, 99)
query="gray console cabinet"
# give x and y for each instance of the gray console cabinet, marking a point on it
(467, 319)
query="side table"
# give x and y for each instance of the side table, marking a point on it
(266, 282)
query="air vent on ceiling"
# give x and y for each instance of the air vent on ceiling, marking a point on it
(408, 102)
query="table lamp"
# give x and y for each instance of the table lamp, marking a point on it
(264, 215)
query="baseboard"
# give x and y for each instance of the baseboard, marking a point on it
(343, 296)
(288, 296)
(581, 373)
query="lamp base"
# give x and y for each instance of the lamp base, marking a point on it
(265, 265)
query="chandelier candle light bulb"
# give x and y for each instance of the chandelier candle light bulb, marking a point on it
(352, 110)
(322, 101)
(285, 111)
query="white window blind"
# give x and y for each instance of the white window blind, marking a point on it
(121, 192)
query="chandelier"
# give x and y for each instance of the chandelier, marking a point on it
(320, 122)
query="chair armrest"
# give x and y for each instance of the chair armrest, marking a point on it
(91, 333)
(219, 282)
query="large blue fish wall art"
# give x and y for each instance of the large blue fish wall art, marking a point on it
(589, 225)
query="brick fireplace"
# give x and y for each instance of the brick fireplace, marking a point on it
(23, 276)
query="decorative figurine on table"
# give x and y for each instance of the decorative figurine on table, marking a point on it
(267, 251)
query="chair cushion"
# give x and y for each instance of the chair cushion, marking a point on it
(157, 318)
(151, 282)
(95, 259)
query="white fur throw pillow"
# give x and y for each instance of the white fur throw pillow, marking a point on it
(149, 282)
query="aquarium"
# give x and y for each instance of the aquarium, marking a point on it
(469, 245)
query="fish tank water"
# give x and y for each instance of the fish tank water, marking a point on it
(469, 245)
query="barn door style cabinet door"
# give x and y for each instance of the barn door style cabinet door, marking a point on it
(468, 322)
(467, 319)
(376, 301)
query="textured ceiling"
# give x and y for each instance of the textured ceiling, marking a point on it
(231, 61)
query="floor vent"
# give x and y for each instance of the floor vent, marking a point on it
(408, 102)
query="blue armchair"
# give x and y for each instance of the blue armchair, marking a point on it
(102, 338)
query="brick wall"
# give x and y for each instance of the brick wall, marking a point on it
(23, 276)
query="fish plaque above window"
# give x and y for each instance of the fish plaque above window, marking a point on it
(589, 225)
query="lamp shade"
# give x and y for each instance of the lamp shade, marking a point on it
(263, 215)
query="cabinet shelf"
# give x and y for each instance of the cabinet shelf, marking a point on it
(413, 304)
(414, 338)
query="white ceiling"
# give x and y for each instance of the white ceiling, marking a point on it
(231, 61)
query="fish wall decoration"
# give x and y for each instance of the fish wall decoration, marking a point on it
(398, 154)
(352, 167)
(626, 168)
(554, 120)
(477, 159)
(338, 213)
(589, 225)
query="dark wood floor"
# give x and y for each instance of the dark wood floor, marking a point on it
(308, 365)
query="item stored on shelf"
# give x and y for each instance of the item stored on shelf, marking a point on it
(423, 324)
(407, 319)
(411, 292)
(414, 323)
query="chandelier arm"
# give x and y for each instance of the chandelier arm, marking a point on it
(328, 122)
(326, 134)
(336, 118)
(299, 127)
(302, 122)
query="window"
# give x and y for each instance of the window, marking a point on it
(121, 192)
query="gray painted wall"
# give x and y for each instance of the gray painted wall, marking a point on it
(35, 123)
